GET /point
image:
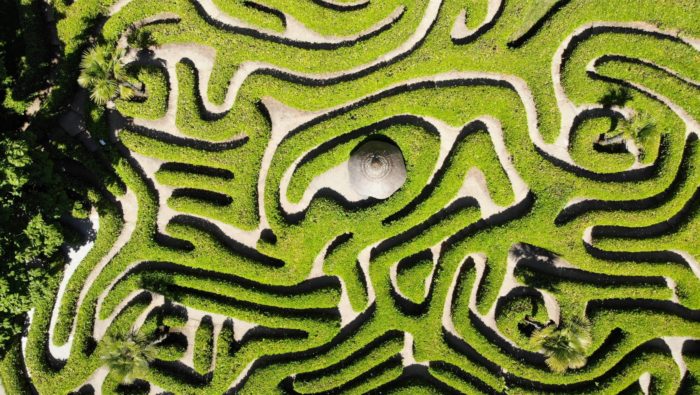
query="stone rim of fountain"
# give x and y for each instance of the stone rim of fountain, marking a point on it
(377, 168)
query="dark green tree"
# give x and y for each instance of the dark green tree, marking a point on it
(33, 193)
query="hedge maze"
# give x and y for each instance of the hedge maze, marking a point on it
(332, 196)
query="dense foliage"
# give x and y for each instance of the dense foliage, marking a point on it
(32, 194)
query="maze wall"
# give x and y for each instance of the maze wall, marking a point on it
(237, 225)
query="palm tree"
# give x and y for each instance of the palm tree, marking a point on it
(128, 355)
(638, 128)
(564, 346)
(103, 73)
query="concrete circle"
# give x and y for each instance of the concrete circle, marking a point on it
(377, 169)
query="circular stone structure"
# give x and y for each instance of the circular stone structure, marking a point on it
(377, 169)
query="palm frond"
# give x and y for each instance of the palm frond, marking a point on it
(103, 91)
(125, 92)
(539, 337)
(86, 80)
(557, 363)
